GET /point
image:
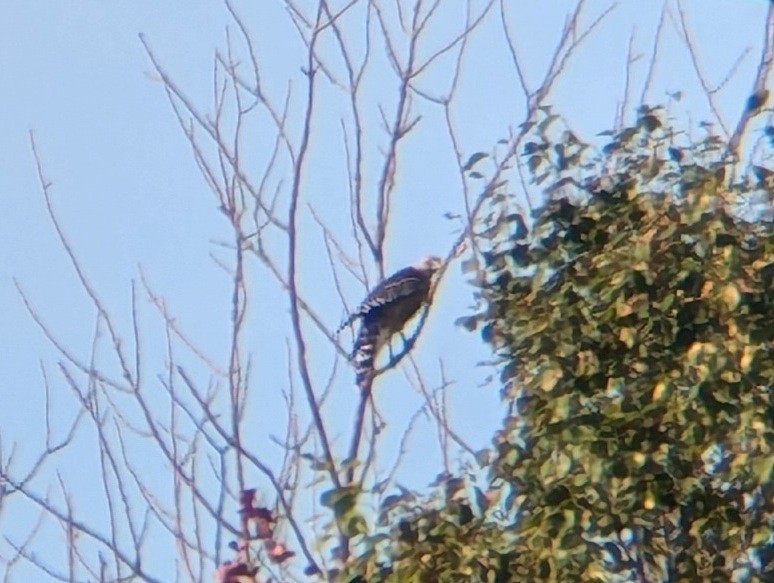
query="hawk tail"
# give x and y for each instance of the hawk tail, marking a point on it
(363, 356)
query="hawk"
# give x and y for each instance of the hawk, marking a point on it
(385, 312)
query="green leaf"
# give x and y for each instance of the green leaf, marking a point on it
(340, 500)
(481, 500)
(483, 457)
(649, 123)
(474, 158)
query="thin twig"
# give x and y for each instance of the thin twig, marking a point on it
(760, 93)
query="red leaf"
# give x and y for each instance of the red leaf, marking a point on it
(278, 553)
(234, 572)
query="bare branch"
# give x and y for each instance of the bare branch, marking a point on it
(708, 92)
(760, 94)
(292, 256)
(654, 53)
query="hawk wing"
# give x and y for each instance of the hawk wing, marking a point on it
(404, 283)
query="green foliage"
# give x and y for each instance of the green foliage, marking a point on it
(636, 323)
(446, 538)
(634, 316)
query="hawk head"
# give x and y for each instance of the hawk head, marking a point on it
(429, 264)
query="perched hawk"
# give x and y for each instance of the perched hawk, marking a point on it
(386, 310)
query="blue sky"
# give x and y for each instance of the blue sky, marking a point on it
(128, 194)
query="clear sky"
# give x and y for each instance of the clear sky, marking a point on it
(129, 195)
